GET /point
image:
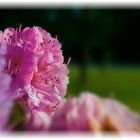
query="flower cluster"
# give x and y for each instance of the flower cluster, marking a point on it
(34, 62)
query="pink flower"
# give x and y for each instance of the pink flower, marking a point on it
(84, 113)
(87, 112)
(49, 81)
(48, 86)
(17, 64)
(34, 61)
(120, 118)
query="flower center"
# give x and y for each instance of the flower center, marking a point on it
(45, 80)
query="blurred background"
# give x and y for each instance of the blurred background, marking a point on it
(104, 45)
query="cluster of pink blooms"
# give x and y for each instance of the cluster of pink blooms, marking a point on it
(33, 62)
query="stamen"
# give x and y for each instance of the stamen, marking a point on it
(12, 72)
(46, 81)
(9, 66)
(20, 26)
(16, 70)
(49, 41)
(16, 35)
(9, 41)
(41, 44)
(68, 61)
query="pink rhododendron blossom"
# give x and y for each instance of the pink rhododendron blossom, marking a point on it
(84, 113)
(34, 61)
(120, 118)
(52, 80)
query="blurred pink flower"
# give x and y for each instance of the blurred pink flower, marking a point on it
(34, 61)
(120, 118)
(87, 113)
(84, 113)
(6, 102)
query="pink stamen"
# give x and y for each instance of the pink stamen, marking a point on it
(9, 66)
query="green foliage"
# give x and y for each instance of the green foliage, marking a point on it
(119, 83)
